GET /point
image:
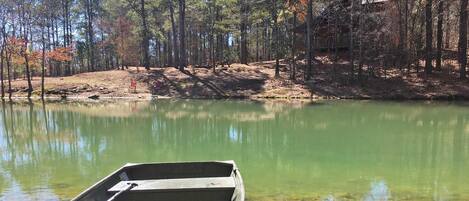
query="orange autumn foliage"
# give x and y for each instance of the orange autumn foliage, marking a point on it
(18, 50)
(60, 54)
(15, 45)
(298, 6)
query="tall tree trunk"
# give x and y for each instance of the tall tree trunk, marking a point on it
(64, 22)
(52, 22)
(439, 35)
(336, 48)
(219, 38)
(175, 56)
(257, 42)
(43, 62)
(28, 73)
(403, 16)
(166, 51)
(69, 25)
(90, 14)
(428, 37)
(170, 49)
(406, 34)
(293, 48)
(243, 29)
(157, 53)
(182, 36)
(211, 47)
(24, 48)
(361, 35)
(10, 91)
(189, 42)
(401, 26)
(65, 33)
(351, 47)
(309, 36)
(204, 48)
(2, 51)
(145, 38)
(8, 59)
(447, 25)
(419, 35)
(463, 38)
(3, 57)
(275, 37)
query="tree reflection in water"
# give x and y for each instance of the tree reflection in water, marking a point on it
(284, 151)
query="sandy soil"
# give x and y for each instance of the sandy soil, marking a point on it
(256, 80)
(108, 84)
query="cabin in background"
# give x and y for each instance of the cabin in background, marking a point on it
(331, 27)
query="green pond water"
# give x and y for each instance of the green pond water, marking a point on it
(344, 150)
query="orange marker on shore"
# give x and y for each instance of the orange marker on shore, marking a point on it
(133, 86)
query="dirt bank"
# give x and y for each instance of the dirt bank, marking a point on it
(108, 84)
(254, 81)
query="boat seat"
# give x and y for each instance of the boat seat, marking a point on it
(186, 184)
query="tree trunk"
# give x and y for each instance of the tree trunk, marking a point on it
(182, 36)
(351, 47)
(428, 37)
(439, 36)
(275, 37)
(293, 48)
(43, 63)
(28, 73)
(66, 43)
(2, 51)
(189, 44)
(24, 48)
(89, 13)
(175, 56)
(170, 49)
(204, 48)
(52, 22)
(406, 33)
(211, 50)
(145, 38)
(361, 35)
(8, 59)
(3, 57)
(243, 28)
(257, 42)
(447, 25)
(463, 38)
(309, 36)
(403, 16)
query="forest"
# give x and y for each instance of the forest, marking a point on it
(362, 40)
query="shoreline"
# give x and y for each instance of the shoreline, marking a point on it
(256, 81)
(143, 96)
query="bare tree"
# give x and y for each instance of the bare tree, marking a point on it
(2, 56)
(428, 37)
(463, 38)
(145, 38)
(182, 36)
(174, 59)
(243, 28)
(309, 37)
(439, 35)
(351, 46)
(293, 48)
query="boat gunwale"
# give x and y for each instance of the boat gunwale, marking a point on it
(102, 181)
(239, 183)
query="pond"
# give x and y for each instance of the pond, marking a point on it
(335, 150)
